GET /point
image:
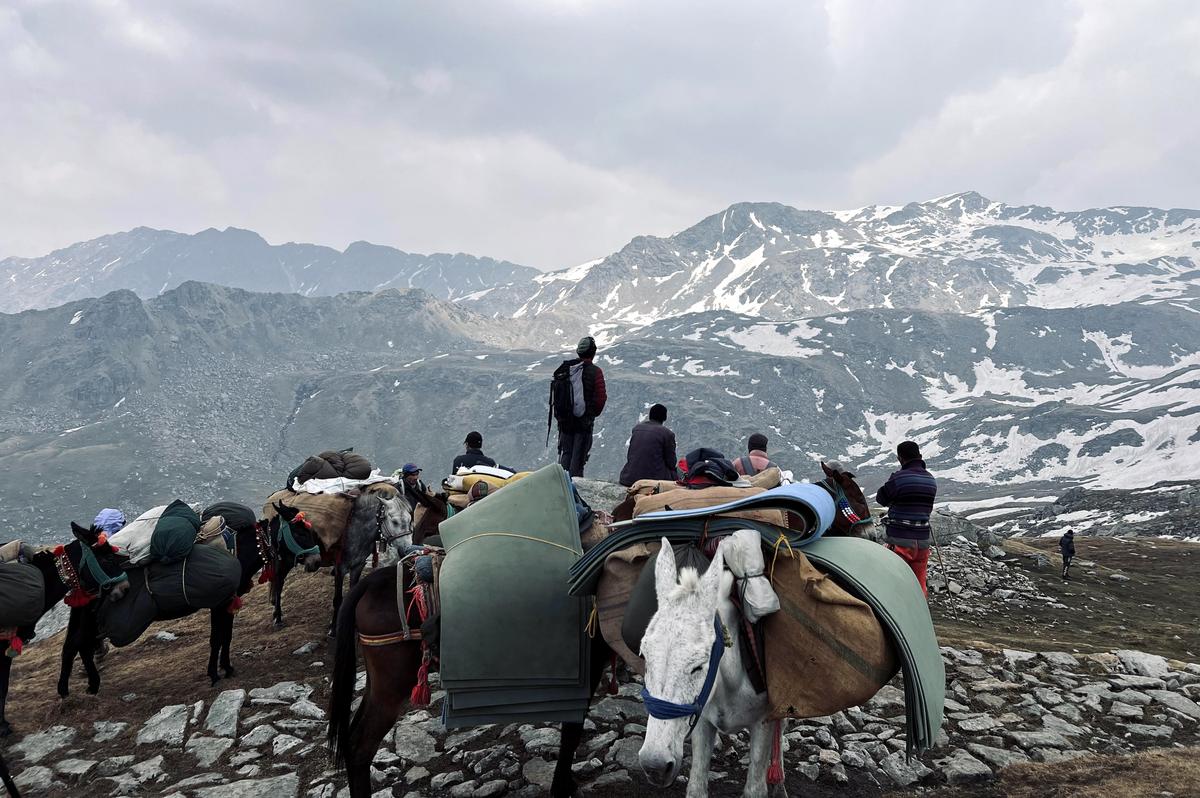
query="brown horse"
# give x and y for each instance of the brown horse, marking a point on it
(392, 663)
(852, 514)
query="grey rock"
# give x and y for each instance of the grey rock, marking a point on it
(997, 757)
(307, 709)
(75, 769)
(1147, 730)
(150, 771)
(305, 649)
(465, 789)
(1037, 739)
(258, 736)
(616, 781)
(625, 752)
(1125, 711)
(1177, 702)
(1143, 664)
(284, 692)
(285, 786)
(979, 724)
(39, 745)
(106, 730)
(36, 779)
(113, 765)
(961, 768)
(442, 781)
(415, 745)
(902, 772)
(282, 743)
(166, 727)
(538, 772)
(208, 750)
(810, 770)
(222, 717)
(490, 789)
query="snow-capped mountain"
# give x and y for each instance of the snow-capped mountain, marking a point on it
(957, 253)
(1028, 351)
(149, 262)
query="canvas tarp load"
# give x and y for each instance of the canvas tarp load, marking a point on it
(136, 540)
(206, 579)
(327, 512)
(458, 486)
(22, 594)
(513, 644)
(330, 465)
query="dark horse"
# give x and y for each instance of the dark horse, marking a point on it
(7, 781)
(370, 610)
(255, 546)
(82, 571)
(852, 514)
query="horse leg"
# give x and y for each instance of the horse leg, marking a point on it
(564, 784)
(281, 572)
(5, 670)
(88, 644)
(703, 738)
(227, 619)
(214, 644)
(762, 738)
(338, 579)
(69, 650)
(391, 676)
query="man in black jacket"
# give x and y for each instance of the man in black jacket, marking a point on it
(651, 450)
(473, 456)
(1066, 547)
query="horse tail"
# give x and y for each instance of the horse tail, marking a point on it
(345, 672)
(7, 781)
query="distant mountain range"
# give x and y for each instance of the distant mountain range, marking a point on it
(1028, 350)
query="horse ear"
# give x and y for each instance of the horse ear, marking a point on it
(710, 583)
(81, 534)
(828, 471)
(666, 575)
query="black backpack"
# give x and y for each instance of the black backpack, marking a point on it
(562, 396)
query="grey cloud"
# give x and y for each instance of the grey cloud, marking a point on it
(552, 132)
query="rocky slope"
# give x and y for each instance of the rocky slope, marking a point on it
(152, 731)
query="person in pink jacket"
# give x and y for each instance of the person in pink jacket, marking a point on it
(755, 459)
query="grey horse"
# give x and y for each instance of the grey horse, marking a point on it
(374, 521)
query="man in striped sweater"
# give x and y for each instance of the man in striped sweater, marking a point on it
(909, 495)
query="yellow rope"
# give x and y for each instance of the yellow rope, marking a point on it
(781, 541)
(512, 535)
(593, 622)
(389, 639)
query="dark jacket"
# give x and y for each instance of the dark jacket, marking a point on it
(1066, 544)
(595, 397)
(471, 458)
(909, 495)
(651, 453)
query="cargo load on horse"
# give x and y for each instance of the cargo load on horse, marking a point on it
(22, 588)
(458, 486)
(161, 534)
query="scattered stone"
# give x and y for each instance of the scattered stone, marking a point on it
(442, 781)
(305, 649)
(415, 745)
(75, 769)
(150, 771)
(539, 772)
(1176, 702)
(208, 750)
(223, 714)
(1143, 664)
(286, 786)
(282, 743)
(284, 693)
(1126, 711)
(113, 765)
(616, 781)
(1118, 577)
(901, 771)
(258, 736)
(108, 730)
(997, 757)
(307, 709)
(39, 745)
(962, 768)
(166, 727)
(36, 779)
(166, 637)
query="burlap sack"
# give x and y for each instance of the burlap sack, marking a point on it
(211, 532)
(621, 570)
(686, 499)
(327, 512)
(767, 478)
(825, 649)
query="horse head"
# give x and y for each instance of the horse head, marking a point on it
(297, 539)
(852, 513)
(395, 520)
(681, 646)
(91, 566)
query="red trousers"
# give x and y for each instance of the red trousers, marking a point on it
(918, 561)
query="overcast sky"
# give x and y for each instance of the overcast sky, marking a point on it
(550, 132)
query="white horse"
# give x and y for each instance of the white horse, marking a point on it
(696, 680)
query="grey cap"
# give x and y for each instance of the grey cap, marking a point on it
(586, 346)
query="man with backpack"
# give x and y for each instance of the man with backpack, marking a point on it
(755, 460)
(577, 396)
(1066, 547)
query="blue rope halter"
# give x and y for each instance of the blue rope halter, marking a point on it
(668, 710)
(843, 502)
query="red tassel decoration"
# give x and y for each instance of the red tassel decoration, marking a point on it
(15, 646)
(235, 605)
(775, 771)
(268, 573)
(421, 694)
(76, 599)
(612, 683)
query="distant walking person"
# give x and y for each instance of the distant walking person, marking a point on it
(1066, 546)
(755, 460)
(577, 397)
(651, 450)
(909, 495)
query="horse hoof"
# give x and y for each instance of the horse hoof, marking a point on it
(230, 673)
(277, 624)
(93, 690)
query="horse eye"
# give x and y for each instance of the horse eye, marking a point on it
(697, 669)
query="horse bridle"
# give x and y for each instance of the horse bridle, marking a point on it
(842, 502)
(661, 709)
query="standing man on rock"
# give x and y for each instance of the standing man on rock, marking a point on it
(909, 495)
(651, 450)
(1066, 547)
(577, 397)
